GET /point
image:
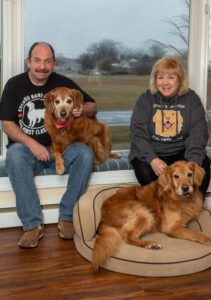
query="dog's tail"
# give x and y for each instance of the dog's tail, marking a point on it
(106, 245)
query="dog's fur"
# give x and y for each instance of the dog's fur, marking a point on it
(166, 205)
(65, 129)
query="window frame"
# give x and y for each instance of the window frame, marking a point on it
(198, 47)
(13, 45)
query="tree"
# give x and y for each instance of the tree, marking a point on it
(87, 62)
(156, 51)
(104, 49)
(180, 26)
(104, 65)
(100, 55)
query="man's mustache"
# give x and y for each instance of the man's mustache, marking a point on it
(41, 71)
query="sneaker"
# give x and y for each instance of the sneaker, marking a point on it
(66, 229)
(31, 237)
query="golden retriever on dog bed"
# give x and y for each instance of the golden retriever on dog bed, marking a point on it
(165, 205)
(65, 129)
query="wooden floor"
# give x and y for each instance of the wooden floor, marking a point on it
(54, 270)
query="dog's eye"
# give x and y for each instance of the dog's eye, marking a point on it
(176, 176)
(56, 101)
(69, 101)
(190, 174)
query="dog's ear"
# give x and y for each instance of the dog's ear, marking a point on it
(157, 116)
(78, 98)
(198, 173)
(48, 101)
(164, 180)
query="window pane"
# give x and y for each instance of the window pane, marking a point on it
(209, 84)
(109, 46)
(1, 142)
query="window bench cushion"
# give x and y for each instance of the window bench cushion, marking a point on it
(177, 256)
(110, 164)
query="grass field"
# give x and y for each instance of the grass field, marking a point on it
(114, 93)
(120, 93)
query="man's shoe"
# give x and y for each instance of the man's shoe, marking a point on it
(66, 229)
(31, 237)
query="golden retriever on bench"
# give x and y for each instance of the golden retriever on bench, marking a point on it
(65, 129)
(165, 205)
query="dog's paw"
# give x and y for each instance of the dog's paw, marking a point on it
(115, 155)
(60, 170)
(153, 246)
(97, 163)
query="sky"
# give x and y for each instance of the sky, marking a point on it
(72, 26)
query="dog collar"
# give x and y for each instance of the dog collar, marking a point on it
(59, 125)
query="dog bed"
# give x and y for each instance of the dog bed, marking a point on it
(177, 256)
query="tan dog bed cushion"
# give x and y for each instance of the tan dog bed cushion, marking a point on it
(177, 256)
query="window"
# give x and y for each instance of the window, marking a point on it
(37, 18)
(108, 47)
(209, 82)
(1, 135)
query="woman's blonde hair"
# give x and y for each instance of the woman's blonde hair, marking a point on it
(165, 64)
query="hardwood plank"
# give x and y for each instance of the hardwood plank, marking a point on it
(54, 270)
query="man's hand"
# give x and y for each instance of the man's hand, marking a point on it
(17, 135)
(158, 166)
(77, 112)
(39, 151)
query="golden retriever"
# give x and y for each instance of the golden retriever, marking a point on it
(166, 205)
(65, 129)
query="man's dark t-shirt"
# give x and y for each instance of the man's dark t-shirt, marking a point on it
(23, 103)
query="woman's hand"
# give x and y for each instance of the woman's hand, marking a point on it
(158, 166)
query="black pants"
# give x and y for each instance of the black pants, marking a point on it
(145, 174)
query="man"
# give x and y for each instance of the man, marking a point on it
(22, 115)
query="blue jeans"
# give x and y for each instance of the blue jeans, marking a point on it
(22, 166)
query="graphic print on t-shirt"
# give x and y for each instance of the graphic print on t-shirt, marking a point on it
(31, 114)
(168, 123)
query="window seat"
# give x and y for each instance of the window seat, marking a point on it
(51, 188)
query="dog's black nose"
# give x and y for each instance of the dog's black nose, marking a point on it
(185, 188)
(63, 114)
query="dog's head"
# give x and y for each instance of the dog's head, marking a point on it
(182, 178)
(61, 101)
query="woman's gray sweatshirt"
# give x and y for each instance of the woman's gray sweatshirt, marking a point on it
(162, 127)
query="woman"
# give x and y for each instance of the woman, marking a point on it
(168, 124)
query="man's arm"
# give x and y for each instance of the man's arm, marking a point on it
(17, 135)
(88, 109)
